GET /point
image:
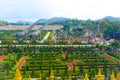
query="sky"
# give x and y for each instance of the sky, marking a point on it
(31, 10)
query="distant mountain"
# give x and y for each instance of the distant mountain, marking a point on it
(43, 21)
(21, 23)
(110, 18)
(58, 19)
(53, 20)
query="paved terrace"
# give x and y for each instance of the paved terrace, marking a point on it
(35, 28)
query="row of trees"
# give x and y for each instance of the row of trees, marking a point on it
(4, 23)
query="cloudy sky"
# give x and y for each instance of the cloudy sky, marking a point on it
(31, 10)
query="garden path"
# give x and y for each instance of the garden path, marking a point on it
(46, 37)
(108, 57)
(2, 57)
(22, 61)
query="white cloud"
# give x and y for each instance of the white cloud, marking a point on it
(83, 9)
